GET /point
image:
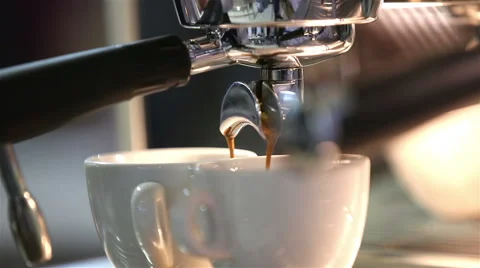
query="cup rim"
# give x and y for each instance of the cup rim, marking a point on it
(351, 159)
(123, 158)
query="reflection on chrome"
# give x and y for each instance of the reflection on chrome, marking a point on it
(269, 47)
(244, 13)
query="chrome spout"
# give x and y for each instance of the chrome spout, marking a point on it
(240, 108)
(266, 102)
(287, 86)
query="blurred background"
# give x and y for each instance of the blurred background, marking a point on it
(426, 183)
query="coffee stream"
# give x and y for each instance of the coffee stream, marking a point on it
(271, 139)
(230, 141)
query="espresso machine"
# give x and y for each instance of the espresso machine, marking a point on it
(278, 37)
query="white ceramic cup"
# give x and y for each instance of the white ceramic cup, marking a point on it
(278, 218)
(130, 194)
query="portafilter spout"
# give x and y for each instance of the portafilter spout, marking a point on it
(261, 104)
(240, 108)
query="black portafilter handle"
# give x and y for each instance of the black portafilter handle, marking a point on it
(41, 96)
(369, 114)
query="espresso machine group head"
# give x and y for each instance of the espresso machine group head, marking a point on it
(280, 37)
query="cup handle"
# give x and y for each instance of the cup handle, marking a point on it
(215, 249)
(150, 223)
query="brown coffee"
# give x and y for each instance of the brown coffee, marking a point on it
(230, 142)
(271, 139)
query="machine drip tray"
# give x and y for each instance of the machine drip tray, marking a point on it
(399, 234)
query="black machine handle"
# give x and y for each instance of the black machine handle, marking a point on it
(41, 96)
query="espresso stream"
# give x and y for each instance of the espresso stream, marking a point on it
(271, 139)
(230, 142)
